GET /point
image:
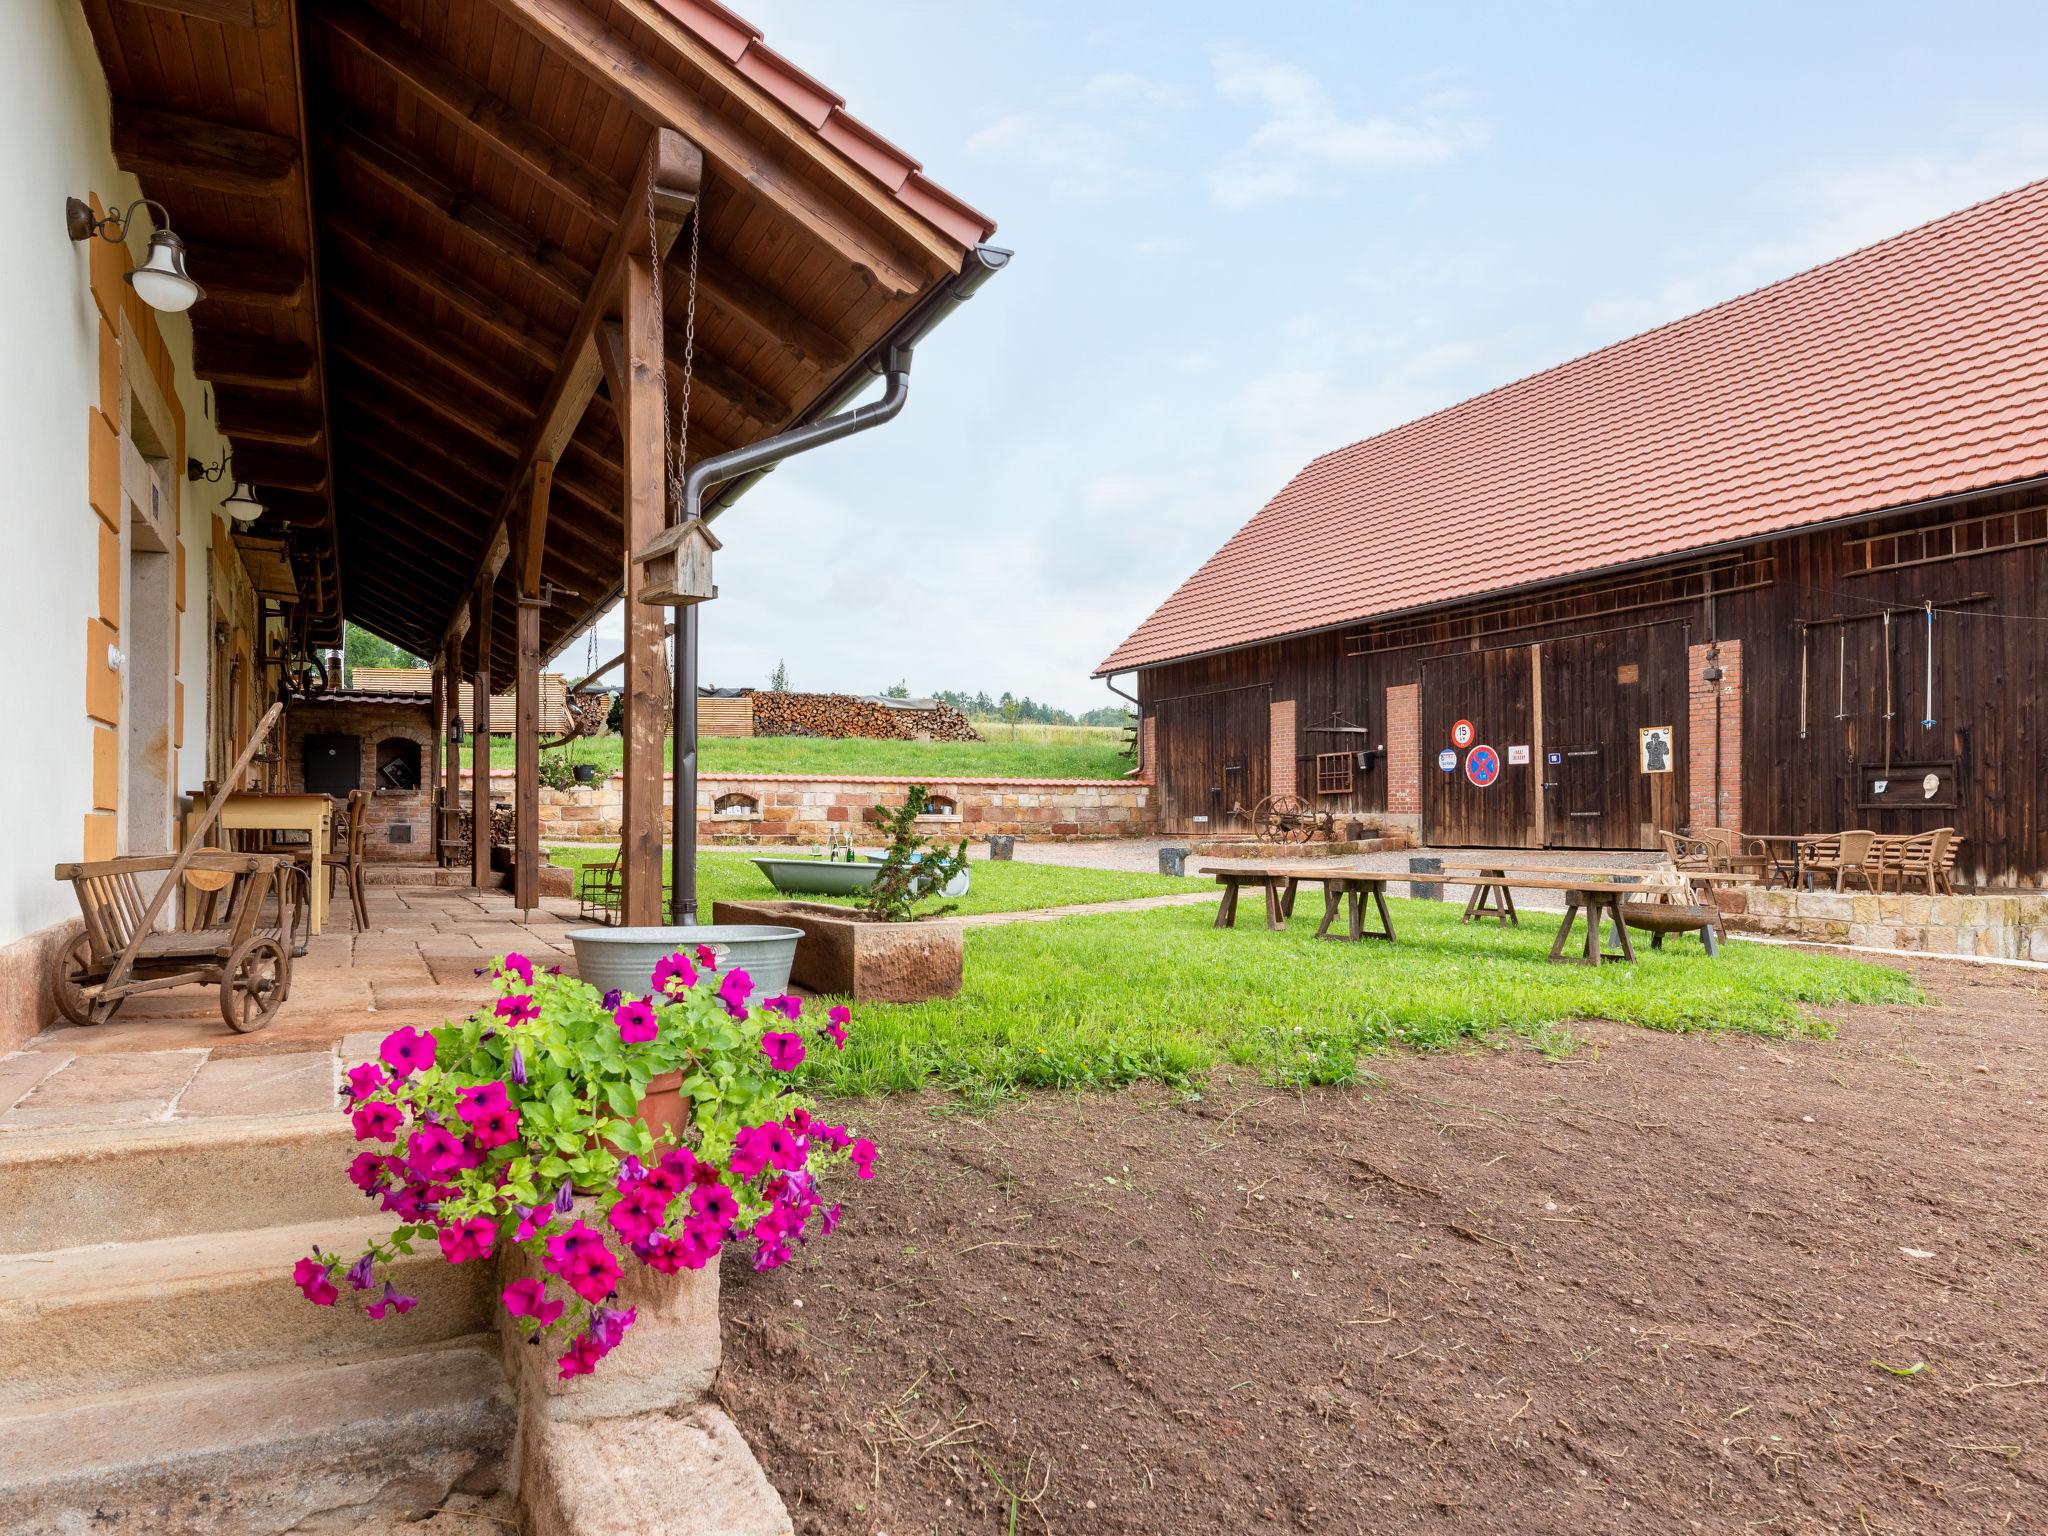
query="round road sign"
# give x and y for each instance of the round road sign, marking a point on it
(1482, 766)
(1447, 760)
(1462, 733)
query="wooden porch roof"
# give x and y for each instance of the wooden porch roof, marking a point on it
(398, 208)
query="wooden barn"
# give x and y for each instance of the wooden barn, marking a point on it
(1780, 566)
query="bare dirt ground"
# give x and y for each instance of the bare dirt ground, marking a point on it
(1674, 1283)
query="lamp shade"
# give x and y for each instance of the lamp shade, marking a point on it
(242, 504)
(162, 281)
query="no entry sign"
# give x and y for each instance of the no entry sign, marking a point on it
(1482, 766)
(1462, 733)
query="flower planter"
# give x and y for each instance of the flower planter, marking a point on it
(846, 954)
(624, 958)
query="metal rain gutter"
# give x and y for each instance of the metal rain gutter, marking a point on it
(739, 470)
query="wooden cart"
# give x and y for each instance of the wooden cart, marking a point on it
(245, 916)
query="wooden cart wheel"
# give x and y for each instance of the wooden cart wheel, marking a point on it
(253, 984)
(67, 984)
(1285, 818)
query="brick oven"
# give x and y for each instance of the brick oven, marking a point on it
(382, 742)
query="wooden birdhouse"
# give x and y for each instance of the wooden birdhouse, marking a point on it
(675, 566)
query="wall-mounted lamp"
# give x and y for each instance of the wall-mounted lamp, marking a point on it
(161, 281)
(242, 504)
(455, 732)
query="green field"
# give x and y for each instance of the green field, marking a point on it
(1074, 752)
(1098, 1001)
(997, 886)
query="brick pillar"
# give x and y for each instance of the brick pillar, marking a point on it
(1148, 747)
(1281, 745)
(1404, 751)
(1701, 697)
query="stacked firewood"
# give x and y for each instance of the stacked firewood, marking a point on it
(841, 714)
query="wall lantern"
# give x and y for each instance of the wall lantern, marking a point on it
(242, 504)
(161, 281)
(675, 566)
(456, 735)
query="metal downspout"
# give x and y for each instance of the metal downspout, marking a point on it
(742, 468)
(1137, 709)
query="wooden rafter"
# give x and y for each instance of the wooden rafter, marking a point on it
(253, 362)
(903, 256)
(231, 275)
(197, 152)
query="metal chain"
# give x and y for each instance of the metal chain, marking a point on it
(676, 443)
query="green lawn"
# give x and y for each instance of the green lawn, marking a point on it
(994, 759)
(725, 875)
(1102, 1000)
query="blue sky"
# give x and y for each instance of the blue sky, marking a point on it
(1249, 234)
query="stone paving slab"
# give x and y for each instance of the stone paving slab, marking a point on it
(20, 1072)
(292, 1083)
(114, 1089)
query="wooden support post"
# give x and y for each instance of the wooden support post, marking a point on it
(526, 751)
(451, 671)
(480, 745)
(437, 726)
(635, 366)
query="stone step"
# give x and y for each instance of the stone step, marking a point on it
(357, 1446)
(63, 1189)
(690, 1470)
(126, 1315)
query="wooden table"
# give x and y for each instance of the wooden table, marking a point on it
(311, 814)
(1342, 888)
(1598, 894)
(1493, 896)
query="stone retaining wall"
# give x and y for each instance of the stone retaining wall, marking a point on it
(2010, 927)
(799, 808)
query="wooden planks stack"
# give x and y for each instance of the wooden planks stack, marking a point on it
(842, 714)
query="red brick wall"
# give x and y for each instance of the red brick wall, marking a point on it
(1700, 736)
(389, 808)
(1404, 750)
(1282, 746)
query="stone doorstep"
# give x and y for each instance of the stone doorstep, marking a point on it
(102, 1090)
(609, 1477)
(366, 1441)
(112, 1317)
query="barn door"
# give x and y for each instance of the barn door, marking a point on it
(1214, 759)
(1614, 712)
(1478, 784)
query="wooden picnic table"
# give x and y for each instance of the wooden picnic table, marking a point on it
(1344, 889)
(1597, 895)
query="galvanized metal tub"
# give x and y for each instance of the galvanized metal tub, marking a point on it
(625, 957)
(815, 877)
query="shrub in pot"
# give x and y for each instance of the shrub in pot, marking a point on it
(674, 1110)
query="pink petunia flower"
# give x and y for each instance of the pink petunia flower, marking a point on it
(407, 1050)
(517, 965)
(791, 1008)
(785, 1051)
(636, 1021)
(707, 958)
(673, 968)
(836, 1022)
(364, 1079)
(495, 1127)
(434, 1153)
(749, 1152)
(311, 1277)
(516, 1008)
(715, 1204)
(376, 1120)
(734, 991)
(367, 1171)
(580, 1358)
(468, 1239)
(529, 1298)
(393, 1300)
(830, 1219)
(783, 1149)
(863, 1155)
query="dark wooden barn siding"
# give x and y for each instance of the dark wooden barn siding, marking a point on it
(1990, 667)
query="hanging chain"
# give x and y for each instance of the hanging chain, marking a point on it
(676, 442)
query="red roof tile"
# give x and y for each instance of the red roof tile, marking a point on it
(826, 115)
(1912, 369)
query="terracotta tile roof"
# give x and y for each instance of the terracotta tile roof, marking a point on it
(1911, 369)
(739, 40)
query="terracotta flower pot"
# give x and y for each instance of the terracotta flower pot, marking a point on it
(663, 1110)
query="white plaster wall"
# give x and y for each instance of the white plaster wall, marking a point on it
(54, 115)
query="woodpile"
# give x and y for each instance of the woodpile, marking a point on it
(842, 714)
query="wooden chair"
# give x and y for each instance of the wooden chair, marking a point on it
(1689, 853)
(599, 890)
(1925, 859)
(1725, 848)
(1839, 854)
(346, 856)
(245, 917)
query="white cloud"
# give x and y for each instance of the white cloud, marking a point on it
(1816, 213)
(1304, 141)
(1083, 162)
(1121, 86)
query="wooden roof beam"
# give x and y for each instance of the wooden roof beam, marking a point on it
(231, 275)
(260, 418)
(254, 362)
(198, 152)
(281, 468)
(670, 175)
(582, 551)
(903, 258)
(230, 13)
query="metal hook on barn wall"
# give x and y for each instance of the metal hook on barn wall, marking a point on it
(1927, 692)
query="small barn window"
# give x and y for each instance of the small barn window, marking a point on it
(1334, 772)
(398, 763)
(940, 808)
(735, 807)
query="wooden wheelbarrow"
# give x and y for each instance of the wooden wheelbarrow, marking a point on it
(246, 916)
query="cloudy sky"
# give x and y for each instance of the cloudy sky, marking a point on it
(1246, 235)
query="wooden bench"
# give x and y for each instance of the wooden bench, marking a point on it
(1598, 897)
(1342, 889)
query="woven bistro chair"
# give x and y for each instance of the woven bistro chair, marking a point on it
(1839, 854)
(1924, 859)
